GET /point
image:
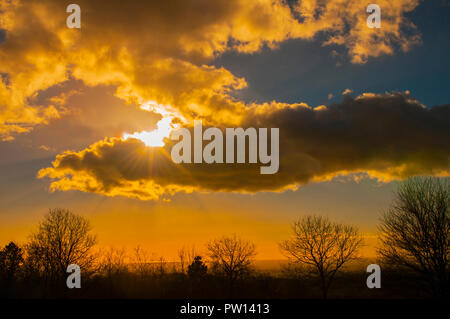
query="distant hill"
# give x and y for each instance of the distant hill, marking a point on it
(276, 265)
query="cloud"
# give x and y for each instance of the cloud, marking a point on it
(390, 136)
(361, 41)
(161, 50)
(347, 91)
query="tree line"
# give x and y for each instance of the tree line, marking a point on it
(413, 236)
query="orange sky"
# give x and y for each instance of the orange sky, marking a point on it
(191, 220)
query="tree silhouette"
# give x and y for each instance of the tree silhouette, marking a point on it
(186, 256)
(63, 238)
(113, 261)
(182, 257)
(11, 259)
(197, 269)
(324, 245)
(415, 232)
(232, 257)
(141, 261)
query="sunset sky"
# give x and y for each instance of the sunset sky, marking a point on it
(358, 109)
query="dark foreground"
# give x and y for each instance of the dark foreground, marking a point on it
(129, 285)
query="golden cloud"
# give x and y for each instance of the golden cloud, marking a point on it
(160, 50)
(388, 136)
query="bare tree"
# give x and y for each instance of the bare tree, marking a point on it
(63, 238)
(186, 256)
(142, 261)
(415, 231)
(182, 256)
(162, 266)
(114, 261)
(324, 245)
(231, 256)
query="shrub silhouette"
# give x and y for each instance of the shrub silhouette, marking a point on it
(11, 259)
(197, 269)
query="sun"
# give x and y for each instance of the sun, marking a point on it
(165, 126)
(156, 137)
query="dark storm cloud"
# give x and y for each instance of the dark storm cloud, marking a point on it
(390, 136)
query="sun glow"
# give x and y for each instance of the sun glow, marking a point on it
(165, 126)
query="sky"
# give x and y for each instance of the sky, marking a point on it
(358, 110)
